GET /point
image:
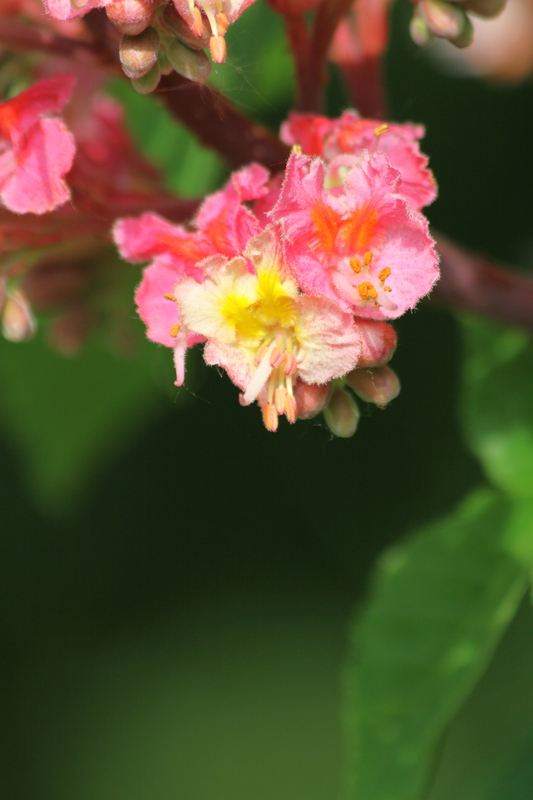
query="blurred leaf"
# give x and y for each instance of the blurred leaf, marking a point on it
(65, 415)
(440, 604)
(498, 404)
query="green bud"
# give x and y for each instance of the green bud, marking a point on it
(192, 64)
(342, 414)
(420, 33)
(446, 20)
(466, 36)
(485, 8)
(138, 54)
(172, 24)
(379, 386)
(148, 82)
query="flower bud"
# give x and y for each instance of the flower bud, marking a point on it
(379, 386)
(18, 323)
(148, 82)
(138, 54)
(311, 398)
(342, 414)
(131, 16)
(485, 8)
(192, 64)
(419, 31)
(466, 36)
(172, 24)
(446, 20)
(379, 342)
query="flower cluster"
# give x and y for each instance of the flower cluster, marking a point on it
(290, 281)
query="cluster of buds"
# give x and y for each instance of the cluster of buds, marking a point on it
(159, 36)
(449, 19)
(290, 280)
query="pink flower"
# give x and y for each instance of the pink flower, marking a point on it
(36, 149)
(70, 9)
(319, 136)
(263, 331)
(223, 225)
(360, 243)
(220, 14)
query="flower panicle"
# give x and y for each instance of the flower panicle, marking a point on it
(292, 284)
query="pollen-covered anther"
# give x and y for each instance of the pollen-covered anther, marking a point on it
(368, 258)
(198, 25)
(384, 274)
(291, 409)
(277, 358)
(296, 150)
(366, 291)
(280, 396)
(381, 129)
(175, 329)
(355, 265)
(270, 417)
(169, 296)
(290, 363)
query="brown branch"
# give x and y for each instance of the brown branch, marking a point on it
(28, 36)
(300, 45)
(470, 282)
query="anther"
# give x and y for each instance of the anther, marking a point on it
(198, 25)
(367, 258)
(280, 395)
(356, 265)
(290, 408)
(222, 23)
(270, 417)
(296, 150)
(367, 291)
(175, 329)
(384, 274)
(387, 289)
(169, 296)
(290, 363)
(217, 47)
(381, 129)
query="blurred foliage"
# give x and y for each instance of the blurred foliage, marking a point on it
(180, 632)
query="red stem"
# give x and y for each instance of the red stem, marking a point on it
(470, 282)
(364, 82)
(300, 44)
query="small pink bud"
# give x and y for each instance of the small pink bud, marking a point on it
(172, 24)
(311, 398)
(131, 16)
(379, 386)
(342, 414)
(138, 54)
(18, 323)
(148, 82)
(446, 20)
(379, 343)
(192, 64)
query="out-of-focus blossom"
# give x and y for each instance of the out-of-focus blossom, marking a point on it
(363, 33)
(450, 19)
(36, 148)
(351, 134)
(70, 9)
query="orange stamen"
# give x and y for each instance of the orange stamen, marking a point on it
(270, 417)
(198, 24)
(367, 291)
(356, 265)
(222, 23)
(175, 329)
(169, 296)
(217, 47)
(367, 258)
(384, 274)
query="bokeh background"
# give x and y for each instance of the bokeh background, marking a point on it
(177, 583)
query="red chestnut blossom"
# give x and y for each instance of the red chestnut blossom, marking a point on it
(219, 13)
(223, 225)
(70, 9)
(350, 134)
(36, 149)
(360, 244)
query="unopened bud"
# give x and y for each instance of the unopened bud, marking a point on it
(131, 16)
(446, 20)
(148, 82)
(311, 398)
(465, 39)
(419, 31)
(18, 323)
(342, 414)
(138, 54)
(485, 8)
(172, 24)
(192, 64)
(378, 342)
(378, 386)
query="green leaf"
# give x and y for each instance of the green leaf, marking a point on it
(66, 415)
(440, 604)
(498, 404)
